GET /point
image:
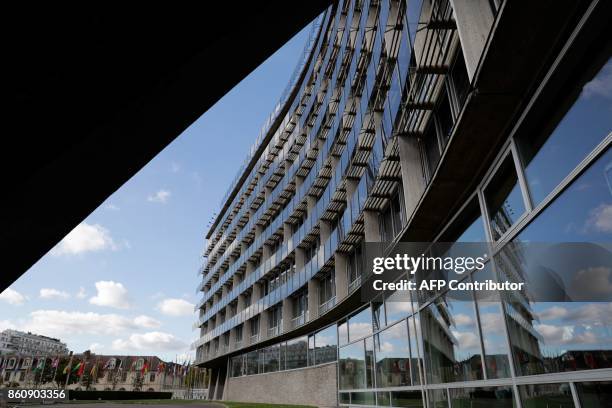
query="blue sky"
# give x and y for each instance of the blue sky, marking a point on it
(124, 280)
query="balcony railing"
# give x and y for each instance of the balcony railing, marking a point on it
(328, 304)
(354, 284)
(274, 331)
(254, 338)
(298, 320)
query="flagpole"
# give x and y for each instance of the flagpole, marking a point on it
(69, 366)
(56, 367)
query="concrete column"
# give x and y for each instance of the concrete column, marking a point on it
(224, 291)
(287, 313)
(325, 231)
(298, 181)
(232, 343)
(412, 172)
(474, 20)
(267, 192)
(311, 202)
(249, 268)
(258, 291)
(313, 299)
(341, 277)
(266, 253)
(264, 318)
(299, 259)
(287, 233)
(351, 186)
(371, 226)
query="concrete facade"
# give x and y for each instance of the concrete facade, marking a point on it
(307, 386)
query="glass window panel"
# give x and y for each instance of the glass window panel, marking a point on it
(296, 351)
(326, 345)
(491, 318)
(360, 325)
(549, 157)
(369, 362)
(383, 399)
(444, 117)
(416, 362)
(547, 395)
(362, 398)
(504, 198)
(438, 398)
(485, 397)
(407, 399)
(311, 350)
(343, 333)
(595, 394)
(460, 78)
(562, 336)
(431, 149)
(252, 363)
(351, 366)
(398, 305)
(344, 398)
(378, 313)
(271, 358)
(451, 341)
(393, 357)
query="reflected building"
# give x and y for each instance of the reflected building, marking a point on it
(422, 121)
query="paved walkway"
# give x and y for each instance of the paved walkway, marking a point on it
(140, 405)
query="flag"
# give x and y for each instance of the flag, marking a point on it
(41, 364)
(145, 368)
(160, 367)
(94, 370)
(77, 367)
(65, 371)
(55, 362)
(81, 369)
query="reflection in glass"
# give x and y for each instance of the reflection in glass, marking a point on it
(296, 350)
(416, 361)
(595, 394)
(369, 361)
(482, 397)
(351, 366)
(398, 306)
(504, 198)
(360, 325)
(438, 398)
(491, 318)
(546, 395)
(549, 157)
(451, 341)
(549, 337)
(326, 344)
(392, 357)
(342, 333)
(407, 399)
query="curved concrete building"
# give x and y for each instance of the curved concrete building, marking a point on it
(418, 121)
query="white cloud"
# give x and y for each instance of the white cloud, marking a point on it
(81, 294)
(152, 341)
(176, 307)
(6, 324)
(147, 322)
(600, 218)
(111, 207)
(12, 297)
(463, 320)
(601, 85)
(111, 294)
(63, 324)
(161, 196)
(85, 238)
(175, 167)
(467, 340)
(53, 294)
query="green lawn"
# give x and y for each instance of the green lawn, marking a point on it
(231, 404)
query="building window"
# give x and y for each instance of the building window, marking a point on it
(450, 341)
(553, 395)
(351, 366)
(255, 327)
(504, 198)
(549, 157)
(430, 151)
(536, 349)
(354, 268)
(238, 333)
(326, 345)
(459, 81)
(490, 397)
(360, 324)
(327, 292)
(392, 218)
(296, 351)
(595, 394)
(392, 357)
